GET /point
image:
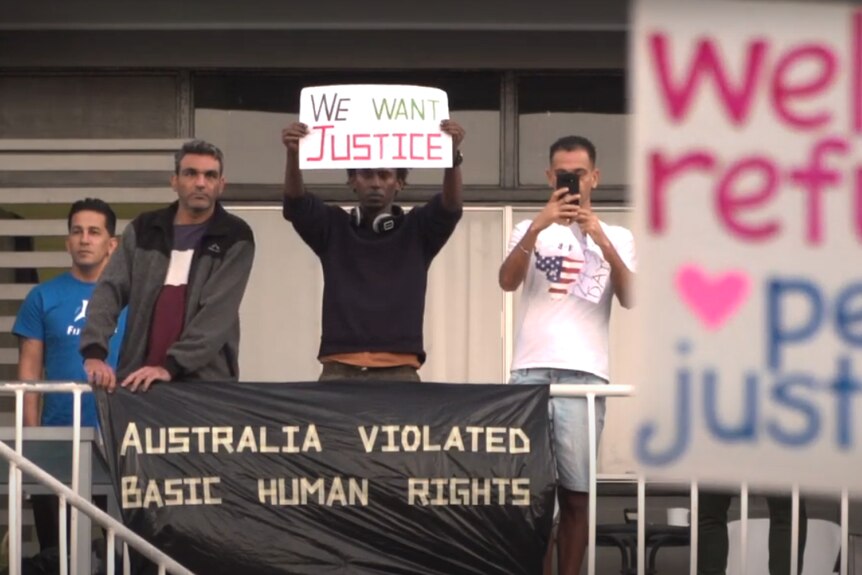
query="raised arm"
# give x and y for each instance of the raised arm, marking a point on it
(452, 184)
(290, 137)
(514, 269)
(622, 278)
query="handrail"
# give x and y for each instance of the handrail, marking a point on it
(112, 525)
(44, 386)
(18, 463)
(590, 392)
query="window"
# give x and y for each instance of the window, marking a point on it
(590, 103)
(90, 106)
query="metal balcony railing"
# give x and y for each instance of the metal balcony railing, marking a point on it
(114, 529)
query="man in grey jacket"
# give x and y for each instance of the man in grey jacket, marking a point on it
(182, 272)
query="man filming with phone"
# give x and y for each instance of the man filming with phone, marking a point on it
(571, 265)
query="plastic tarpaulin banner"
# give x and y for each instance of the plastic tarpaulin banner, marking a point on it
(342, 477)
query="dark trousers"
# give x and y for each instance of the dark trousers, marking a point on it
(46, 517)
(333, 370)
(712, 533)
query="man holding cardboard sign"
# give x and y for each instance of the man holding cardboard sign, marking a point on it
(375, 260)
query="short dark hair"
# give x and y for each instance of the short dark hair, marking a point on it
(572, 143)
(400, 173)
(199, 147)
(94, 205)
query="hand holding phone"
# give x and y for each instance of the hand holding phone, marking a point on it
(571, 180)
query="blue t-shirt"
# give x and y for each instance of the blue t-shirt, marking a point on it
(54, 313)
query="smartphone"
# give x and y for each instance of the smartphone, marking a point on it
(571, 180)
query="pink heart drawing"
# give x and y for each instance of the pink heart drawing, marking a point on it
(713, 300)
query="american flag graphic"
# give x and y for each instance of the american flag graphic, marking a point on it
(560, 271)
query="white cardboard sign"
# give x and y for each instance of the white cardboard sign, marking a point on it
(374, 126)
(747, 184)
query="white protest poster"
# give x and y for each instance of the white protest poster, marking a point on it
(374, 126)
(747, 185)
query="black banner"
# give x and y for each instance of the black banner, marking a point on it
(336, 478)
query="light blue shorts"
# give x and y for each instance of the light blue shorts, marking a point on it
(569, 423)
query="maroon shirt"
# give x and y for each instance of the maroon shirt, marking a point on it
(169, 312)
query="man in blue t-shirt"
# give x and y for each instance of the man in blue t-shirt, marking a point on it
(49, 326)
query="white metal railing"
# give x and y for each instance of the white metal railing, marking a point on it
(72, 496)
(591, 392)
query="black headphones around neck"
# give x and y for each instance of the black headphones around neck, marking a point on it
(383, 223)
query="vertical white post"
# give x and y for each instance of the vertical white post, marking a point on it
(743, 529)
(15, 492)
(110, 554)
(76, 477)
(794, 532)
(693, 515)
(64, 545)
(508, 319)
(19, 477)
(845, 530)
(641, 555)
(591, 542)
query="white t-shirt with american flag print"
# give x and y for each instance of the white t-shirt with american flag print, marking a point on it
(565, 302)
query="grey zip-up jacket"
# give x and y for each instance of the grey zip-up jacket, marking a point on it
(208, 347)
